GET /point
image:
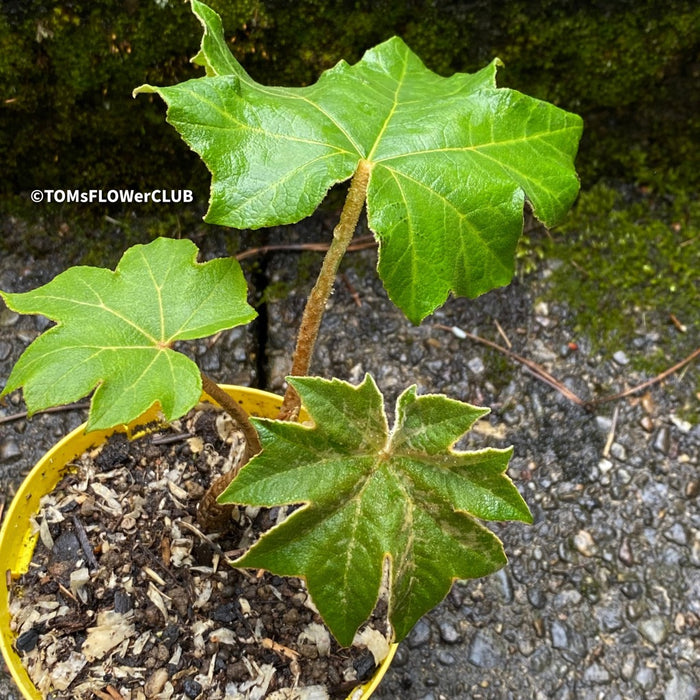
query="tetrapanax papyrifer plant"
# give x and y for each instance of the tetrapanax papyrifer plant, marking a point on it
(443, 167)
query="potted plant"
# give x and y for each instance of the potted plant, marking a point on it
(443, 167)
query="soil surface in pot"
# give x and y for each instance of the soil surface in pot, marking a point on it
(127, 598)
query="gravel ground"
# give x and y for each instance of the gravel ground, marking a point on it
(601, 596)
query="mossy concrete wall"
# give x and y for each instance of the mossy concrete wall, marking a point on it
(67, 70)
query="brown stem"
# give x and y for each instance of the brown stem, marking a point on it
(236, 412)
(212, 515)
(316, 303)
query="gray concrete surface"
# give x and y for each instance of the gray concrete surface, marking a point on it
(601, 596)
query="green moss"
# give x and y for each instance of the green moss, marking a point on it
(630, 269)
(529, 254)
(67, 71)
(276, 291)
(627, 69)
(66, 75)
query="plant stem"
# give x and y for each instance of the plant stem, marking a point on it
(318, 298)
(236, 412)
(210, 514)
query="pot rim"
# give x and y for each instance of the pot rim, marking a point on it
(17, 541)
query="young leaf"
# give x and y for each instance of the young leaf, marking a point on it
(115, 330)
(452, 159)
(370, 495)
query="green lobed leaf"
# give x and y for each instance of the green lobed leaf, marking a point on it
(371, 495)
(115, 331)
(452, 159)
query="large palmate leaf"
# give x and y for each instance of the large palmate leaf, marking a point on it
(371, 494)
(115, 330)
(451, 159)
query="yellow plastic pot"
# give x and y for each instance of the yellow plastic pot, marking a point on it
(17, 541)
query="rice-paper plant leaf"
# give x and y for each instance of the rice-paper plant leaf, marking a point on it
(452, 159)
(371, 497)
(115, 330)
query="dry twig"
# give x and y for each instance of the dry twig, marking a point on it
(353, 292)
(54, 409)
(611, 432)
(649, 382)
(85, 543)
(547, 378)
(502, 333)
(533, 367)
(268, 643)
(361, 243)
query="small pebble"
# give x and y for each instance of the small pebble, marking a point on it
(683, 425)
(618, 451)
(647, 424)
(584, 543)
(632, 589)
(695, 550)
(681, 687)
(692, 488)
(662, 440)
(604, 423)
(560, 635)
(568, 598)
(605, 465)
(624, 476)
(645, 678)
(654, 630)
(609, 617)
(540, 660)
(419, 635)
(445, 658)
(538, 625)
(448, 633)
(8, 318)
(596, 674)
(621, 358)
(476, 365)
(9, 450)
(505, 584)
(624, 553)
(629, 664)
(483, 652)
(537, 598)
(526, 646)
(676, 533)
(191, 687)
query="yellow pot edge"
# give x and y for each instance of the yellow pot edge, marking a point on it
(17, 541)
(371, 686)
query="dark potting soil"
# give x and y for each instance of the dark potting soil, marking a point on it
(127, 598)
